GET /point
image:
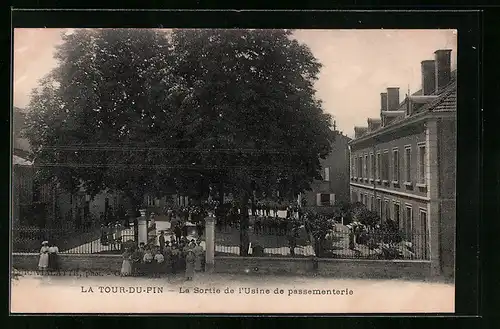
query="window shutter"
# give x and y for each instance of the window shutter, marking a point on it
(327, 174)
(332, 199)
(318, 199)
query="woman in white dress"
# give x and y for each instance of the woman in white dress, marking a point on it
(43, 262)
(126, 269)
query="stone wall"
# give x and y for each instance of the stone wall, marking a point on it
(68, 262)
(374, 269)
(263, 265)
(342, 268)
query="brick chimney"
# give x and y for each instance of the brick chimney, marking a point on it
(383, 101)
(428, 77)
(393, 99)
(442, 60)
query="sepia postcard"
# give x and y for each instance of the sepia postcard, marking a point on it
(233, 171)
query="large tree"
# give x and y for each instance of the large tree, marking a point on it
(93, 118)
(252, 102)
(143, 111)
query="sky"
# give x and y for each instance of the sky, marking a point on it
(357, 65)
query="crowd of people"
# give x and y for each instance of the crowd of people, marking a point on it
(169, 257)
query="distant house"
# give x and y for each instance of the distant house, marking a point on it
(335, 173)
(47, 205)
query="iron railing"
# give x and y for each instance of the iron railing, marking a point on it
(90, 240)
(341, 243)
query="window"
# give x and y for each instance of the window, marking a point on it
(395, 165)
(385, 166)
(327, 174)
(354, 197)
(360, 167)
(332, 199)
(387, 210)
(324, 199)
(421, 164)
(379, 207)
(366, 166)
(379, 165)
(397, 218)
(409, 223)
(354, 166)
(408, 164)
(150, 201)
(424, 240)
(372, 166)
(372, 203)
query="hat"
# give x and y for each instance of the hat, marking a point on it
(45, 242)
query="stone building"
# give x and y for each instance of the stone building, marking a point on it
(335, 173)
(47, 205)
(403, 164)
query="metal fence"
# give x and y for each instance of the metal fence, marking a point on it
(341, 243)
(90, 240)
(269, 237)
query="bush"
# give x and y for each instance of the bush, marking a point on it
(368, 217)
(363, 238)
(129, 244)
(390, 232)
(372, 243)
(391, 252)
(257, 250)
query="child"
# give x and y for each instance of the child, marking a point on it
(175, 258)
(43, 262)
(159, 261)
(148, 260)
(127, 263)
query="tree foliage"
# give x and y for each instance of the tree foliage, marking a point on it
(107, 91)
(145, 111)
(368, 218)
(252, 94)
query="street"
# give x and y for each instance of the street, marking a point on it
(88, 292)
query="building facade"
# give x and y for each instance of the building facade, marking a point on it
(403, 164)
(48, 205)
(335, 176)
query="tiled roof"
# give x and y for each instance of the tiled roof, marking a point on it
(448, 103)
(447, 100)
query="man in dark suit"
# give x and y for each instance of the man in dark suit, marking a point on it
(161, 240)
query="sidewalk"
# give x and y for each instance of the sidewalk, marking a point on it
(223, 293)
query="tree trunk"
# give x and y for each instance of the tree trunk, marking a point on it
(244, 224)
(221, 194)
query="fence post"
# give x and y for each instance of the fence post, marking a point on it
(209, 243)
